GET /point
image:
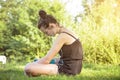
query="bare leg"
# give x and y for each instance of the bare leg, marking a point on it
(35, 69)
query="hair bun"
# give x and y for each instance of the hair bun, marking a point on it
(42, 14)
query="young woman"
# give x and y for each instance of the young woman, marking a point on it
(66, 44)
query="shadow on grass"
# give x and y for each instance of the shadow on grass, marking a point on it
(11, 74)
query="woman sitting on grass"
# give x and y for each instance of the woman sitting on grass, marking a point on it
(66, 44)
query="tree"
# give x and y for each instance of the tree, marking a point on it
(19, 34)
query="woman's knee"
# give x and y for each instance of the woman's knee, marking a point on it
(28, 70)
(27, 67)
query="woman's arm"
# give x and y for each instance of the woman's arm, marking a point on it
(57, 45)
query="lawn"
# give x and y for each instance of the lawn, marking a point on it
(14, 71)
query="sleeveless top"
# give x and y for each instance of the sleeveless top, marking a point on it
(71, 58)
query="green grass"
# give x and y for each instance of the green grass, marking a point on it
(13, 71)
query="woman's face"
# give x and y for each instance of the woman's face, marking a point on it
(51, 30)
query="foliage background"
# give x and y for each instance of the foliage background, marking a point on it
(20, 40)
(99, 31)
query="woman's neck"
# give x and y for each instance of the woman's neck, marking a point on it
(61, 29)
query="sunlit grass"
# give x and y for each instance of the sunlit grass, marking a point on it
(13, 71)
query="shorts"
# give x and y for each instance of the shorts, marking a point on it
(70, 68)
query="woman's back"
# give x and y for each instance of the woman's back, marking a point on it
(71, 55)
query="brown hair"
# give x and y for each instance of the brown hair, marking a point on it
(45, 19)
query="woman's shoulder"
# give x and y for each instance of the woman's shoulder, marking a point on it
(68, 37)
(69, 33)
